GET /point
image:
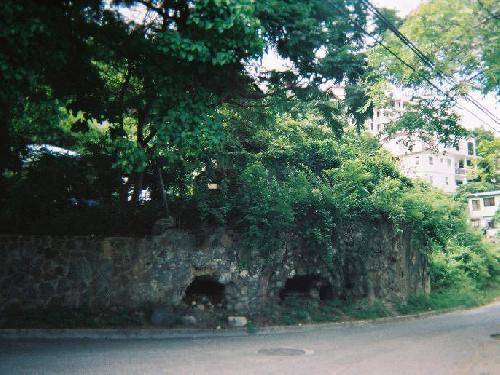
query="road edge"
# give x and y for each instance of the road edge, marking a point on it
(182, 333)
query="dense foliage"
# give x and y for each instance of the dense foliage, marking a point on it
(447, 49)
(109, 123)
(459, 36)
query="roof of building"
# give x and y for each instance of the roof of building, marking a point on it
(485, 194)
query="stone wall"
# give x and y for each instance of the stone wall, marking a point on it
(44, 271)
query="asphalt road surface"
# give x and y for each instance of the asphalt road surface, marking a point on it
(454, 343)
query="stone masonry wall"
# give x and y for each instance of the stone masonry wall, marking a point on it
(87, 271)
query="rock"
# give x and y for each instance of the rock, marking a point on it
(237, 321)
(162, 225)
(244, 273)
(189, 320)
(224, 278)
(162, 316)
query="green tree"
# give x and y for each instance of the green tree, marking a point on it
(489, 161)
(145, 95)
(43, 53)
(458, 36)
(389, 14)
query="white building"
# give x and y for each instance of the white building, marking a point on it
(443, 167)
(482, 209)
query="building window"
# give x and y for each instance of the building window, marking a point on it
(469, 162)
(470, 148)
(441, 160)
(431, 179)
(371, 125)
(447, 180)
(431, 160)
(488, 202)
(458, 182)
(449, 162)
(476, 205)
(417, 160)
(476, 223)
(460, 163)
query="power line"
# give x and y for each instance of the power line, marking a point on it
(485, 8)
(379, 42)
(424, 58)
(445, 93)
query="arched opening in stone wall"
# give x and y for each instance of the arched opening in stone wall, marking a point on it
(307, 287)
(205, 290)
(326, 292)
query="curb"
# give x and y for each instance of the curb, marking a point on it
(117, 333)
(162, 334)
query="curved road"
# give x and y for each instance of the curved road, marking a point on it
(453, 343)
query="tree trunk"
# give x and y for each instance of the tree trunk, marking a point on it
(4, 139)
(163, 193)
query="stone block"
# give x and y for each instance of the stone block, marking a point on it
(237, 321)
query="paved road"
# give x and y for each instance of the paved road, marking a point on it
(454, 343)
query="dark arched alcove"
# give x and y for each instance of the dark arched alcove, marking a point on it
(203, 290)
(306, 286)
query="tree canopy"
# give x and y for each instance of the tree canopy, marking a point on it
(110, 122)
(459, 37)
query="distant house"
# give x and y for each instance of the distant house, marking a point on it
(482, 209)
(443, 166)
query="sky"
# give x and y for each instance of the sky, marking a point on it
(491, 101)
(403, 7)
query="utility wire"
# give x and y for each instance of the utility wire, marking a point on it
(380, 43)
(485, 8)
(424, 58)
(432, 66)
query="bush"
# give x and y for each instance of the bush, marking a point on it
(448, 298)
(466, 261)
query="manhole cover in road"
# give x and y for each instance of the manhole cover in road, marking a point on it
(495, 336)
(285, 352)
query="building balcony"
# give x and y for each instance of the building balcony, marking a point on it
(465, 173)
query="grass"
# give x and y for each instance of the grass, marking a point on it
(449, 298)
(293, 312)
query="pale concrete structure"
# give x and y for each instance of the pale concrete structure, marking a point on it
(444, 167)
(482, 208)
